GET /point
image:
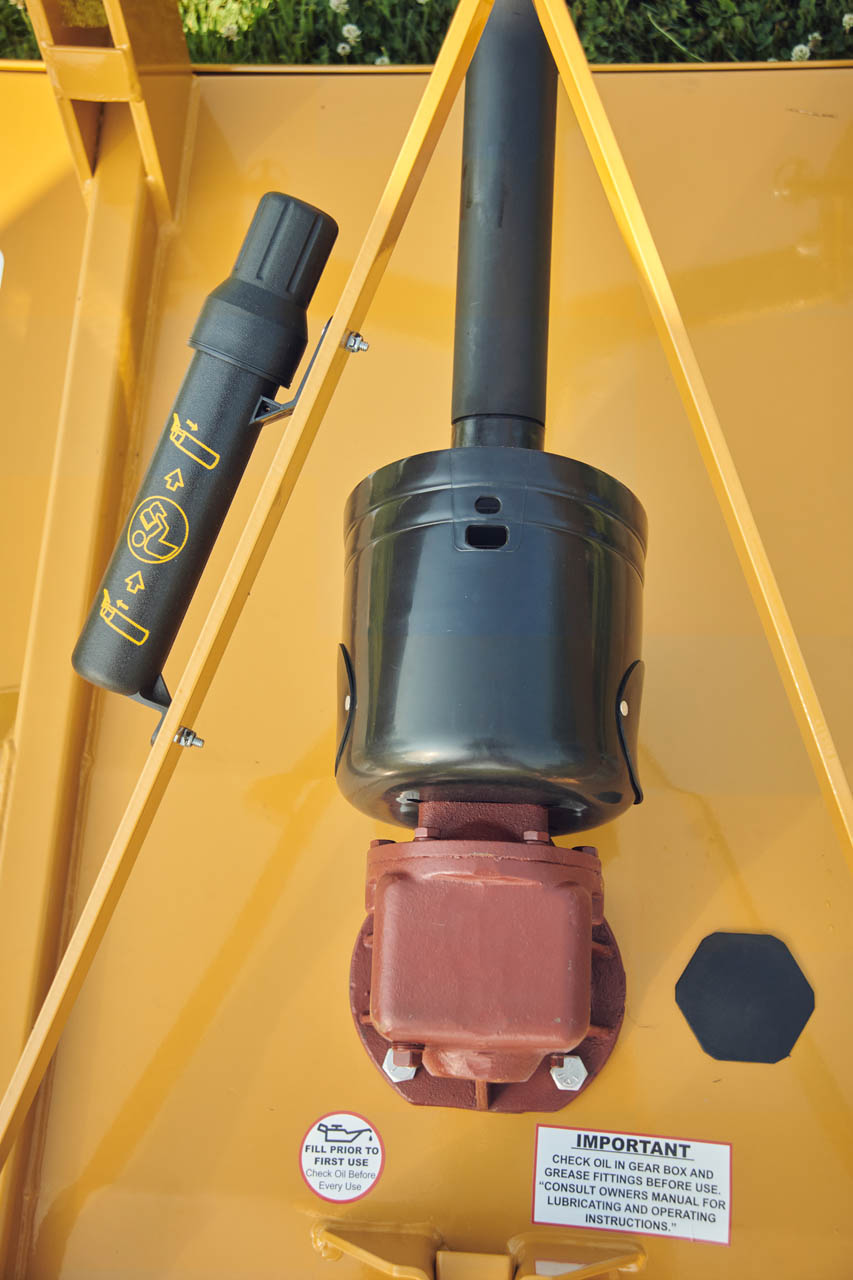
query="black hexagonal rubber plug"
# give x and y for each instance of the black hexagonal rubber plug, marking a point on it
(745, 997)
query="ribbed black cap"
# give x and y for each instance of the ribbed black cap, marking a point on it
(286, 247)
(256, 318)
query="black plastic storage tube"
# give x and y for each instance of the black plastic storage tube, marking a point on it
(249, 340)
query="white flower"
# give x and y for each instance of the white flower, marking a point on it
(344, 48)
(338, 6)
(230, 31)
(382, 61)
(847, 21)
(350, 32)
(814, 39)
(800, 53)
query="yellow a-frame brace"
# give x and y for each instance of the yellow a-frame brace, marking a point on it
(379, 242)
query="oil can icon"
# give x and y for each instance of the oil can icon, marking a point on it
(117, 617)
(337, 1133)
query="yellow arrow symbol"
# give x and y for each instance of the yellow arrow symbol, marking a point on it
(134, 583)
(193, 426)
(174, 480)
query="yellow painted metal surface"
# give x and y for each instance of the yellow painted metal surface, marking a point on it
(214, 1028)
(38, 194)
(285, 468)
(591, 115)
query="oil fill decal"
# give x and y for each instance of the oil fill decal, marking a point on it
(341, 1156)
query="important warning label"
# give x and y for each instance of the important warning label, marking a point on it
(341, 1157)
(633, 1182)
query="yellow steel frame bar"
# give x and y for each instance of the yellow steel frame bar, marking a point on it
(100, 399)
(290, 456)
(623, 200)
(139, 56)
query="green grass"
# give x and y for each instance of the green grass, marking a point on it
(408, 31)
(299, 31)
(16, 34)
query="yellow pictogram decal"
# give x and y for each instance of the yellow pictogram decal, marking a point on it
(135, 583)
(115, 616)
(158, 530)
(191, 445)
(174, 480)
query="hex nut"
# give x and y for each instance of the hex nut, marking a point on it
(398, 1075)
(406, 1056)
(569, 1074)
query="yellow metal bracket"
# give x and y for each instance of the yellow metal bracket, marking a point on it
(403, 1252)
(539, 1253)
(92, 74)
(418, 1253)
(286, 466)
(135, 53)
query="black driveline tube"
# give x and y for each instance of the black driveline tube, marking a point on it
(503, 278)
(249, 340)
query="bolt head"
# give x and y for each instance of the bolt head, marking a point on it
(569, 1073)
(398, 1075)
(537, 837)
(426, 833)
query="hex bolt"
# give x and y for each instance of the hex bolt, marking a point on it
(187, 738)
(426, 833)
(568, 1073)
(537, 837)
(406, 1055)
(355, 342)
(397, 1075)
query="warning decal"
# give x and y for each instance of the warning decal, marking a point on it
(633, 1182)
(341, 1156)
